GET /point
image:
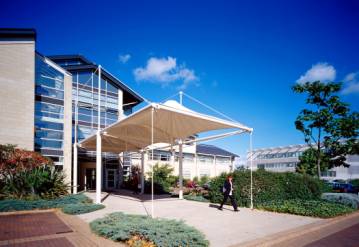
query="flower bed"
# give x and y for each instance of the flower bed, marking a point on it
(161, 232)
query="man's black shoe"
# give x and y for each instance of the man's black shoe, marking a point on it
(220, 208)
(236, 210)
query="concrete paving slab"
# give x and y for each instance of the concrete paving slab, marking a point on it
(222, 228)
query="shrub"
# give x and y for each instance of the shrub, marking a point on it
(203, 180)
(16, 204)
(162, 232)
(81, 208)
(354, 182)
(27, 174)
(350, 200)
(162, 179)
(267, 186)
(315, 208)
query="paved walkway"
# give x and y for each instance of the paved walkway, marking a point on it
(47, 228)
(222, 228)
(336, 232)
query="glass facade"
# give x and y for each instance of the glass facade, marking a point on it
(85, 89)
(282, 165)
(49, 110)
(279, 155)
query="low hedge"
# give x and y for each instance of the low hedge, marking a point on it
(351, 200)
(162, 232)
(267, 186)
(197, 198)
(17, 205)
(314, 208)
(81, 208)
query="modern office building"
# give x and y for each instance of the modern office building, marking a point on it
(48, 103)
(286, 158)
(198, 160)
(39, 98)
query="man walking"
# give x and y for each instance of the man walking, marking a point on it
(228, 192)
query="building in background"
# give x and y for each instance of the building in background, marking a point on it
(286, 158)
(198, 160)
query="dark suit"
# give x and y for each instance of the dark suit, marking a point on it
(227, 187)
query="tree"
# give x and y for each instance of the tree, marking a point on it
(308, 162)
(329, 127)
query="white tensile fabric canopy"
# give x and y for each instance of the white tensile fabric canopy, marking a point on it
(170, 123)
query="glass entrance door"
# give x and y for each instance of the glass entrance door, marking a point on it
(111, 179)
(90, 178)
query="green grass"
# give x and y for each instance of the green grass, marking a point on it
(81, 208)
(197, 198)
(314, 208)
(74, 204)
(162, 232)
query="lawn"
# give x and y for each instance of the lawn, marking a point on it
(70, 204)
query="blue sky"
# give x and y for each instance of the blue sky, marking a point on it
(240, 57)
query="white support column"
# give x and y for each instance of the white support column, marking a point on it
(251, 157)
(152, 163)
(99, 144)
(180, 169)
(75, 158)
(172, 161)
(142, 172)
(85, 184)
(181, 97)
(196, 164)
(215, 165)
(98, 168)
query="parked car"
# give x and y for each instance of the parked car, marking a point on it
(344, 188)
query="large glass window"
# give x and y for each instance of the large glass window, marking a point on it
(49, 117)
(44, 143)
(88, 102)
(49, 92)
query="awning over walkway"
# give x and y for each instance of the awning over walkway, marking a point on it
(171, 121)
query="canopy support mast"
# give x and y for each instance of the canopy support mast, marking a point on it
(251, 160)
(180, 169)
(98, 143)
(152, 158)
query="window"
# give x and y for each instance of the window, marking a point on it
(44, 143)
(49, 92)
(48, 125)
(50, 134)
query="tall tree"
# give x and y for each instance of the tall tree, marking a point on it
(328, 125)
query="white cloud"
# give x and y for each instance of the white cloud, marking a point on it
(124, 58)
(319, 72)
(351, 83)
(165, 71)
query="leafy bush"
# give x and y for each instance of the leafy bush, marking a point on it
(203, 180)
(162, 179)
(350, 200)
(16, 204)
(27, 174)
(267, 186)
(315, 208)
(81, 208)
(162, 232)
(354, 182)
